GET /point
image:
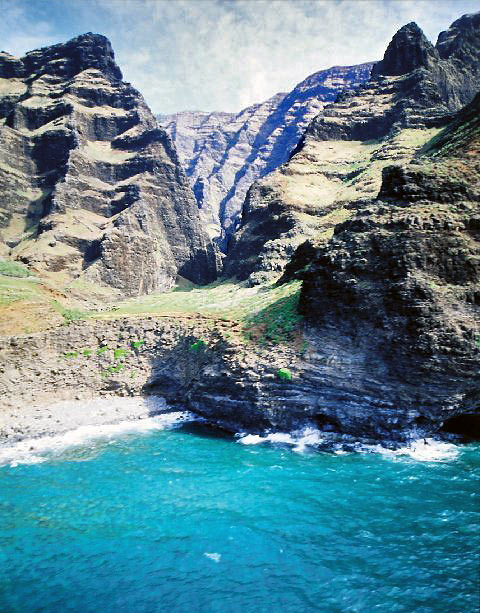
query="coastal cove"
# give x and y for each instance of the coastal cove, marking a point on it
(200, 516)
(240, 347)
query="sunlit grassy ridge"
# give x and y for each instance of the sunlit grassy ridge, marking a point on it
(225, 299)
(268, 313)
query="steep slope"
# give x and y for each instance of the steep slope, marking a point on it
(398, 286)
(224, 153)
(90, 184)
(338, 165)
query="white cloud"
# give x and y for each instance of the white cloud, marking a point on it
(226, 54)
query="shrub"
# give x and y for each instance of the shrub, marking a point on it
(71, 354)
(87, 352)
(102, 350)
(198, 346)
(73, 315)
(276, 323)
(111, 370)
(284, 374)
(119, 353)
(137, 344)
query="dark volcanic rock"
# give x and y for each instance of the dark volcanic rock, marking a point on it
(408, 50)
(224, 153)
(91, 185)
(400, 283)
(413, 92)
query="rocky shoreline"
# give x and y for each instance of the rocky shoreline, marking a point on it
(203, 365)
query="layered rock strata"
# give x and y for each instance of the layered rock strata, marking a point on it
(337, 166)
(90, 184)
(224, 153)
(399, 284)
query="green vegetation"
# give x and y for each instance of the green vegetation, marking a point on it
(13, 289)
(477, 342)
(137, 344)
(102, 350)
(276, 323)
(119, 353)
(71, 354)
(229, 300)
(87, 352)
(69, 315)
(267, 313)
(10, 268)
(111, 370)
(198, 346)
(284, 374)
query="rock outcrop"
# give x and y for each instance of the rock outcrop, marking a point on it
(399, 284)
(90, 184)
(337, 166)
(224, 153)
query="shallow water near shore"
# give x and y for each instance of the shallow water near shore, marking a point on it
(163, 514)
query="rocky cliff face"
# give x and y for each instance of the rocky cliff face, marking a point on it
(338, 165)
(90, 184)
(400, 282)
(224, 153)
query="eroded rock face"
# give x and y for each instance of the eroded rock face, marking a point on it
(90, 184)
(400, 282)
(224, 153)
(338, 165)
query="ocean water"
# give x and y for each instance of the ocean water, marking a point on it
(163, 514)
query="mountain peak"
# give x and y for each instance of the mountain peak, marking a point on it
(408, 50)
(461, 37)
(85, 51)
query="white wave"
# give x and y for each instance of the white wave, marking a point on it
(424, 450)
(216, 557)
(298, 439)
(33, 451)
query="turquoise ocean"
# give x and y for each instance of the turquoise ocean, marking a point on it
(167, 515)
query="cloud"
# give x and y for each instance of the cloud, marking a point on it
(225, 54)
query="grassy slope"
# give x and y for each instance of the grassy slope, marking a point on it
(264, 314)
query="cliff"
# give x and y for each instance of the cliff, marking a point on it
(91, 185)
(337, 166)
(224, 153)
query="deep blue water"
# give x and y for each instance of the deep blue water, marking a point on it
(178, 521)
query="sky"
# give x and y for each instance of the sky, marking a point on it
(224, 54)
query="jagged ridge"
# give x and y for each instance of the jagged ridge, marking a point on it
(224, 153)
(90, 183)
(338, 164)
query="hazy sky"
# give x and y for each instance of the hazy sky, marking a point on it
(224, 54)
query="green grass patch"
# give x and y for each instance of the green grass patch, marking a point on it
(276, 323)
(119, 353)
(10, 268)
(14, 289)
(69, 315)
(224, 299)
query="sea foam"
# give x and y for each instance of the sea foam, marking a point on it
(33, 451)
(421, 449)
